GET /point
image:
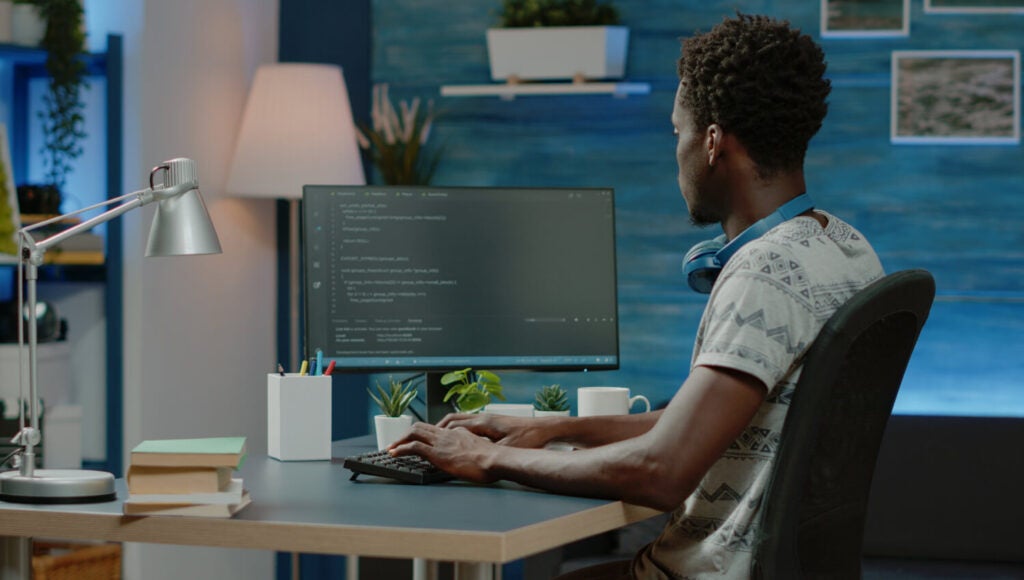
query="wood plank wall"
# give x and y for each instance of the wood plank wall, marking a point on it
(955, 210)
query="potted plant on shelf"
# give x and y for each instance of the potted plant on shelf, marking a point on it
(392, 423)
(397, 139)
(550, 401)
(64, 42)
(557, 39)
(472, 390)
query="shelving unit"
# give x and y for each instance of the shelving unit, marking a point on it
(513, 90)
(28, 63)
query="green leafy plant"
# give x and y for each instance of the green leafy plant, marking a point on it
(551, 398)
(62, 119)
(471, 389)
(397, 139)
(527, 13)
(7, 225)
(394, 400)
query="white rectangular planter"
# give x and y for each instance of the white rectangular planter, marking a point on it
(557, 52)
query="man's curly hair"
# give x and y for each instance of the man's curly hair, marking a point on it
(760, 80)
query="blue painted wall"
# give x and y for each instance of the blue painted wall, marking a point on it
(955, 210)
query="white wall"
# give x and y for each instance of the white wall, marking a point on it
(199, 331)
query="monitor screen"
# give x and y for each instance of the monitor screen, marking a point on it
(440, 278)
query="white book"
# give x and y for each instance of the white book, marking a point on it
(231, 495)
(209, 510)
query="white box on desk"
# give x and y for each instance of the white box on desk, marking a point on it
(298, 417)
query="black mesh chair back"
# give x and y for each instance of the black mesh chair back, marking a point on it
(812, 518)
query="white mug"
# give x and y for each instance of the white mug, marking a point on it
(593, 401)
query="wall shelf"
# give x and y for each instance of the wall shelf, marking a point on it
(513, 90)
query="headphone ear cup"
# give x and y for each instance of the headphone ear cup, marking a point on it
(701, 266)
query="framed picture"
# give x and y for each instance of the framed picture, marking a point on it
(10, 220)
(974, 6)
(957, 96)
(864, 18)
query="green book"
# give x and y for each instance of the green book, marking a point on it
(197, 452)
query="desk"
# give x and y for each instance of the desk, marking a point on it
(313, 507)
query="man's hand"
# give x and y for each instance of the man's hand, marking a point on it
(457, 451)
(501, 429)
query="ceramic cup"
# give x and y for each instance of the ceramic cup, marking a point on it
(593, 401)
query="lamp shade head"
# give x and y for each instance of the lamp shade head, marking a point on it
(181, 225)
(297, 129)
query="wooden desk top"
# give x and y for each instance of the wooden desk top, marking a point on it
(313, 507)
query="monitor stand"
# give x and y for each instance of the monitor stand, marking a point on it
(436, 407)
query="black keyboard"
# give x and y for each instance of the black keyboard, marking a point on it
(408, 468)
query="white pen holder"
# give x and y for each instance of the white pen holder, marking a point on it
(298, 417)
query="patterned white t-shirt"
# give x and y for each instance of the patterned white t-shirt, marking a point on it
(767, 306)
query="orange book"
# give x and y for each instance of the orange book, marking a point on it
(144, 479)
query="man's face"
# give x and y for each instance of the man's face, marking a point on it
(691, 155)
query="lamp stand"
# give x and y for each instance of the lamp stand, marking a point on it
(53, 486)
(293, 282)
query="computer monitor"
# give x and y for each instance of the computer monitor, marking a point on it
(433, 279)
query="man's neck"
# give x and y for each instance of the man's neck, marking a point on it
(760, 199)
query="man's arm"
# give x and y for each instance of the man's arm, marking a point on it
(659, 468)
(581, 432)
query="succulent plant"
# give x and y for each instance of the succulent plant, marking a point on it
(394, 400)
(551, 398)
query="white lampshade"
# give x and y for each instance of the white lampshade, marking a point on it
(297, 130)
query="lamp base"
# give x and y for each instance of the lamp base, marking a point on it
(55, 486)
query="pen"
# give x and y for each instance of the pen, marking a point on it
(304, 369)
(319, 362)
(330, 368)
(280, 369)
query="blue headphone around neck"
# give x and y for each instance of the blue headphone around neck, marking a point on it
(705, 260)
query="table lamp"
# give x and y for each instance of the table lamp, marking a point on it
(181, 226)
(297, 130)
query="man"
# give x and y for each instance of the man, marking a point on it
(751, 95)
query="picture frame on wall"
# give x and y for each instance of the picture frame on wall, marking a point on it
(865, 18)
(10, 218)
(974, 6)
(956, 97)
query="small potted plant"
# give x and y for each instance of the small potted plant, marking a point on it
(557, 39)
(393, 401)
(397, 139)
(551, 401)
(472, 390)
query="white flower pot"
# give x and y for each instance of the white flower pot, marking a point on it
(6, 11)
(390, 429)
(564, 413)
(27, 25)
(557, 52)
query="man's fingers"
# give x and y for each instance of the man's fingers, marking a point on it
(410, 448)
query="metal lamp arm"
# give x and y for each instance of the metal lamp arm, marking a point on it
(136, 199)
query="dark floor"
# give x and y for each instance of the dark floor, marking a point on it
(891, 568)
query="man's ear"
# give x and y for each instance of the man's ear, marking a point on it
(713, 138)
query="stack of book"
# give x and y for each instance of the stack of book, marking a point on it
(187, 477)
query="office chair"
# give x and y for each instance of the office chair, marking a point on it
(813, 510)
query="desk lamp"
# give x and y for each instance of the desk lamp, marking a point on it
(181, 226)
(297, 129)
